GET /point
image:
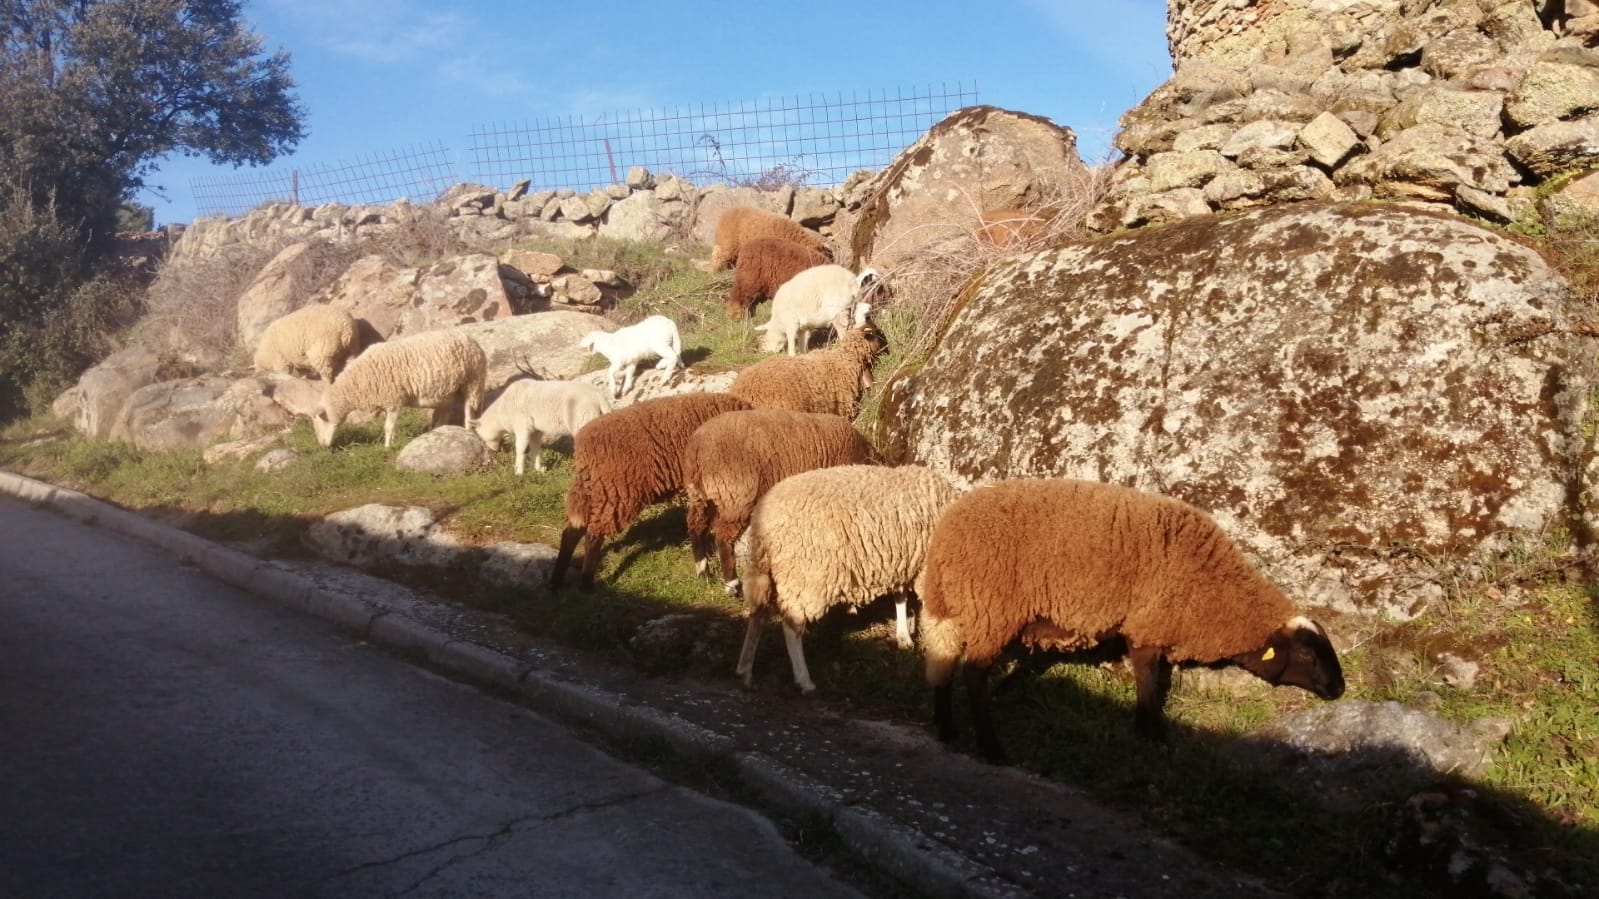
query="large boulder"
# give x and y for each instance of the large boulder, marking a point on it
(976, 160)
(102, 391)
(282, 286)
(194, 412)
(1361, 394)
(374, 289)
(462, 290)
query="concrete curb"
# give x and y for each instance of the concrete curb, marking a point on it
(897, 851)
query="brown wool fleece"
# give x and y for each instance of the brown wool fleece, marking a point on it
(626, 460)
(829, 380)
(1096, 560)
(745, 223)
(842, 535)
(735, 458)
(764, 263)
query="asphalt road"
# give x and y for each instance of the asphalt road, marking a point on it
(162, 734)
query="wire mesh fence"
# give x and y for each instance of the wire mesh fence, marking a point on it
(811, 140)
(418, 173)
(815, 140)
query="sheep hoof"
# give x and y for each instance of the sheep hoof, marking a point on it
(734, 588)
(807, 688)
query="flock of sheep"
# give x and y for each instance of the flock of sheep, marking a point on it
(777, 477)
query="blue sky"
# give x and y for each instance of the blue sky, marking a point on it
(382, 75)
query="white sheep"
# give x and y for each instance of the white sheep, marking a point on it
(535, 411)
(436, 370)
(821, 296)
(844, 535)
(654, 337)
(318, 337)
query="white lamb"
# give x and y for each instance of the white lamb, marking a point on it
(818, 297)
(535, 411)
(654, 337)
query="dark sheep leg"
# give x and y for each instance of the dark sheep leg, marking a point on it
(563, 556)
(983, 714)
(944, 712)
(593, 549)
(1152, 674)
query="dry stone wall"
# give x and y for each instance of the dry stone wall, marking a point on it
(1467, 103)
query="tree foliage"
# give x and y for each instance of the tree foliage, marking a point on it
(93, 93)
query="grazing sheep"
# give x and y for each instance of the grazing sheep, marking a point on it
(819, 297)
(830, 380)
(534, 411)
(733, 459)
(319, 338)
(435, 370)
(624, 461)
(764, 264)
(655, 337)
(745, 223)
(837, 536)
(1060, 564)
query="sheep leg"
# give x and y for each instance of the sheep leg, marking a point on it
(627, 377)
(1152, 674)
(796, 658)
(752, 636)
(944, 712)
(535, 445)
(389, 417)
(983, 714)
(521, 449)
(593, 549)
(902, 625)
(563, 556)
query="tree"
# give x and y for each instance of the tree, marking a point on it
(92, 94)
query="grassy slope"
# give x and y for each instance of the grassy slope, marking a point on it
(1536, 635)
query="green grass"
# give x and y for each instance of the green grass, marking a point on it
(1535, 635)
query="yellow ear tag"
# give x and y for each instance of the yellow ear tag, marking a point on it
(1270, 654)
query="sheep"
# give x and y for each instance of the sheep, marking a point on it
(837, 536)
(535, 410)
(1064, 565)
(818, 297)
(654, 337)
(736, 457)
(745, 223)
(624, 461)
(830, 380)
(317, 337)
(433, 370)
(764, 264)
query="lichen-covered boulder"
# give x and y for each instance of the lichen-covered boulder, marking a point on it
(1359, 393)
(976, 160)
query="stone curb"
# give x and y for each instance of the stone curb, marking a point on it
(898, 852)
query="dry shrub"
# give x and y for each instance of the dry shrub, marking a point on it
(927, 282)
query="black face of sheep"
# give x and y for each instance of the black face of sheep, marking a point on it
(1298, 655)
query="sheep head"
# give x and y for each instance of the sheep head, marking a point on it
(324, 423)
(1298, 654)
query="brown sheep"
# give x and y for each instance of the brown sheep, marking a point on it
(1066, 565)
(734, 458)
(830, 380)
(745, 223)
(764, 264)
(624, 461)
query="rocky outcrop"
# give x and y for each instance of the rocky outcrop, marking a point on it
(977, 159)
(1464, 103)
(1362, 394)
